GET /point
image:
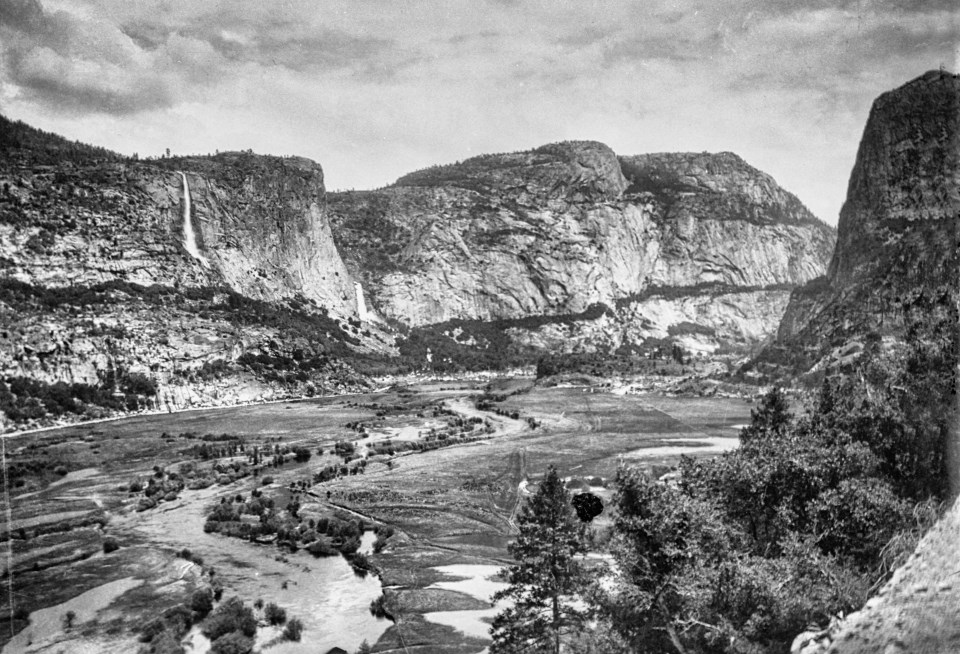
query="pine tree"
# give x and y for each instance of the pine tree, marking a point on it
(769, 420)
(545, 582)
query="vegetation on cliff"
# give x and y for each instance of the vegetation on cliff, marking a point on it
(29, 144)
(808, 517)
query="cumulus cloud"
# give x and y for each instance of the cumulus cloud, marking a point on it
(75, 64)
(267, 39)
(115, 63)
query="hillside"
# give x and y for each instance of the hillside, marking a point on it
(701, 249)
(97, 286)
(231, 277)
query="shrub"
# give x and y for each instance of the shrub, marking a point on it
(321, 547)
(165, 643)
(275, 615)
(293, 630)
(139, 384)
(378, 608)
(232, 643)
(151, 630)
(68, 619)
(190, 556)
(383, 533)
(301, 454)
(110, 545)
(350, 546)
(178, 619)
(588, 506)
(201, 602)
(230, 616)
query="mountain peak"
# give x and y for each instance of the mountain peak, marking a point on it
(906, 171)
(696, 178)
(563, 170)
(898, 231)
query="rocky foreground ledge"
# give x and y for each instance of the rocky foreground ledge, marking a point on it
(917, 611)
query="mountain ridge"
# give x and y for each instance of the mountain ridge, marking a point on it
(555, 229)
(562, 255)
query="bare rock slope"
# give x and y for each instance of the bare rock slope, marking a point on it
(98, 287)
(701, 246)
(898, 235)
(916, 612)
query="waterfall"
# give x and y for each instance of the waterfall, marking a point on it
(189, 239)
(362, 312)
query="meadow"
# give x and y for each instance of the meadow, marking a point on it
(444, 475)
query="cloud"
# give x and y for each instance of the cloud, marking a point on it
(861, 7)
(51, 78)
(584, 37)
(373, 89)
(833, 55)
(91, 61)
(22, 14)
(265, 38)
(58, 59)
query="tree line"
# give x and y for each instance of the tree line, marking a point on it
(742, 552)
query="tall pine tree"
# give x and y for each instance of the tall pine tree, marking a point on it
(548, 576)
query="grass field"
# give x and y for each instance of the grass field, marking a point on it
(448, 506)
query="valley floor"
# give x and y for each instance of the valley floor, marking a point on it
(451, 506)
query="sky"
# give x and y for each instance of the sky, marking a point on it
(373, 89)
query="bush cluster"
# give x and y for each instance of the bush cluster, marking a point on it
(805, 518)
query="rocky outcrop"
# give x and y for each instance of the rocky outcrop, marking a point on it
(108, 271)
(898, 233)
(262, 221)
(259, 221)
(916, 611)
(555, 230)
(97, 283)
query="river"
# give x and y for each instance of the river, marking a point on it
(324, 593)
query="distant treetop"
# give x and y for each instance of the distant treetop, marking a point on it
(35, 146)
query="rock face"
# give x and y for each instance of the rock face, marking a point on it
(660, 239)
(96, 281)
(253, 287)
(259, 221)
(898, 231)
(916, 611)
(262, 220)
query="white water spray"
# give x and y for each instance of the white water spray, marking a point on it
(362, 311)
(189, 239)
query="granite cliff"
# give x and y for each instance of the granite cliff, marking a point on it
(229, 277)
(898, 239)
(99, 287)
(697, 247)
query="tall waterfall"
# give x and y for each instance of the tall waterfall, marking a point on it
(189, 239)
(362, 311)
